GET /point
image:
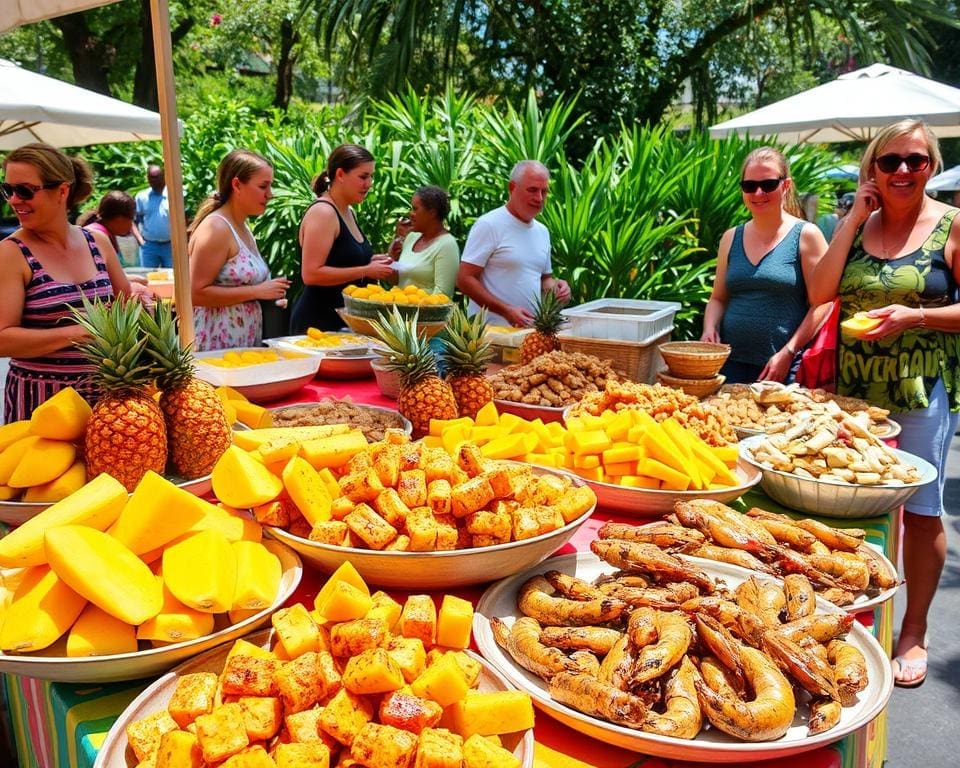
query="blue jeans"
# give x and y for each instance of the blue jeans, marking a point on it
(154, 255)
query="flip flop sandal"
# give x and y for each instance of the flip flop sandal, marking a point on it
(911, 665)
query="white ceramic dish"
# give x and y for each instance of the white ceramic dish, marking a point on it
(115, 752)
(18, 512)
(710, 746)
(530, 412)
(348, 342)
(151, 662)
(437, 570)
(260, 382)
(826, 499)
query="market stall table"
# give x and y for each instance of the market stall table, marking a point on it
(58, 724)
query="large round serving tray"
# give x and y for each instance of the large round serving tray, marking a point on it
(838, 500)
(404, 421)
(115, 753)
(888, 429)
(710, 745)
(18, 512)
(646, 502)
(437, 570)
(53, 664)
(530, 412)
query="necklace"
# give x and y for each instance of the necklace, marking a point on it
(888, 253)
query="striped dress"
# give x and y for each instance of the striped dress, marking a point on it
(46, 305)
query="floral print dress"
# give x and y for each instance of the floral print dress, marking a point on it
(234, 325)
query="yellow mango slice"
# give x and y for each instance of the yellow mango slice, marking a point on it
(12, 455)
(253, 415)
(248, 439)
(454, 622)
(494, 712)
(242, 482)
(10, 433)
(96, 505)
(97, 633)
(101, 569)
(229, 393)
(258, 576)
(176, 622)
(333, 451)
(443, 682)
(201, 571)
(59, 488)
(506, 447)
(860, 323)
(43, 461)
(345, 602)
(307, 490)
(372, 671)
(487, 415)
(61, 417)
(345, 572)
(42, 609)
(481, 752)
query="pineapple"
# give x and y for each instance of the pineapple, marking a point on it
(126, 435)
(198, 431)
(466, 353)
(423, 394)
(546, 322)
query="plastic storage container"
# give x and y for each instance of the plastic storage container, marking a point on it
(621, 319)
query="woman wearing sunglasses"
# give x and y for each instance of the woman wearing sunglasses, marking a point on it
(896, 256)
(760, 301)
(47, 266)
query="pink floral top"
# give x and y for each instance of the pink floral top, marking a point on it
(234, 325)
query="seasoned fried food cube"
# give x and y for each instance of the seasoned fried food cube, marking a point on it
(296, 629)
(439, 748)
(340, 507)
(372, 671)
(254, 756)
(359, 462)
(506, 481)
(344, 715)
(348, 638)
(534, 521)
(221, 733)
(305, 727)
(492, 712)
(391, 508)
(438, 465)
(383, 746)
(438, 496)
(470, 459)
(396, 436)
(442, 681)
(471, 496)
(314, 755)
(262, 716)
(542, 490)
(498, 525)
(144, 734)
(419, 619)
(575, 502)
(399, 544)
(375, 532)
(482, 540)
(422, 530)
(329, 672)
(412, 488)
(278, 512)
(448, 533)
(384, 607)
(178, 749)
(249, 676)
(411, 456)
(363, 486)
(386, 463)
(409, 654)
(299, 682)
(480, 752)
(193, 696)
(469, 667)
(330, 532)
(403, 710)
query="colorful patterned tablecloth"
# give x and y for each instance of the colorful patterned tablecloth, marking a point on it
(59, 725)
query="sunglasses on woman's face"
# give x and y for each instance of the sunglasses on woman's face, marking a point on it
(767, 185)
(891, 163)
(25, 191)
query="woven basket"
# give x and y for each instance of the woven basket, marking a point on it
(695, 387)
(694, 359)
(637, 362)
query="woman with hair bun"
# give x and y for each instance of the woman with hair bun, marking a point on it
(228, 276)
(47, 267)
(334, 250)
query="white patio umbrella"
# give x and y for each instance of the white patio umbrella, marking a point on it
(14, 13)
(852, 108)
(38, 108)
(948, 181)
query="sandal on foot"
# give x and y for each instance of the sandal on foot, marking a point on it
(913, 665)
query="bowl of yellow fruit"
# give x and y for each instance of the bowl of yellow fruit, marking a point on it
(258, 373)
(369, 301)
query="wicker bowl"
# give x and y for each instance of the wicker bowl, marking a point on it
(695, 387)
(694, 359)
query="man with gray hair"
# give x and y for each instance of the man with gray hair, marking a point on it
(505, 264)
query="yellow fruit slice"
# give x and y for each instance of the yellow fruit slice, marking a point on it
(860, 323)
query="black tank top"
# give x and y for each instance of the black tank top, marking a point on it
(317, 305)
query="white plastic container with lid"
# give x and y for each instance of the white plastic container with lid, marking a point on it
(621, 319)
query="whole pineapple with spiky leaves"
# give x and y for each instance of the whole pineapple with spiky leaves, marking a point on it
(198, 431)
(466, 353)
(546, 323)
(126, 434)
(423, 394)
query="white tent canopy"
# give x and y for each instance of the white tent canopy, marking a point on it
(948, 181)
(38, 108)
(852, 108)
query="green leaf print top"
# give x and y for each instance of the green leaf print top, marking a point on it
(898, 371)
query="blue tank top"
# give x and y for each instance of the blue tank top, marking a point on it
(766, 302)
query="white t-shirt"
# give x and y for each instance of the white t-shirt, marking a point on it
(514, 255)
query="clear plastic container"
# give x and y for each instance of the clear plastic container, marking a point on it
(621, 319)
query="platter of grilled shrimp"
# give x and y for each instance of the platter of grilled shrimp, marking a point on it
(839, 563)
(680, 659)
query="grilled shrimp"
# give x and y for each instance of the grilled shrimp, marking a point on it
(824, 714)
(572, 587)
(715, 638)
(801, 599)
(822, 627)
(535, 600)
(766, 716)
(741, 624)
(838, 596)
(598, 640)
(836, 538)
(849, 669)
(671, 639)
(591, 696)
(622, 579)
(615, 666)
(846, 567)
(586, 662)
(633, 556)
(522, 642)
(682, 717)
(733, 556)
(794, 562)
(737, 519)
(812, 673)
(669, 536)
(764, 599)
(666, 597)
(880, 575)
(788, 533)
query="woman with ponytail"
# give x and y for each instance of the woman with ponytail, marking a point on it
(228, 276)
(760, 303)
(334, 250)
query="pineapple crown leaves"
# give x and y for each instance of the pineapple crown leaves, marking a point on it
(409, 353)
(466, 350)
(116, 347)
(174, 363)
(546, 313)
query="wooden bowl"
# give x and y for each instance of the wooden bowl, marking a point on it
(694, 359)
(695, 387)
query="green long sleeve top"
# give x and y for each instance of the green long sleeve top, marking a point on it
(434, 268)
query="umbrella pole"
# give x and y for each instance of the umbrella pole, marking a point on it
(169, 129)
